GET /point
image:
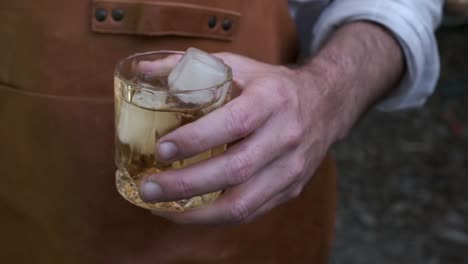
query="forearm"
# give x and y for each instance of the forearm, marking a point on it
(359, 64)
(412, 23)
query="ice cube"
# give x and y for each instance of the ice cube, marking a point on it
(139, 127)
(150, 99)
(197, 70)
(199, 55)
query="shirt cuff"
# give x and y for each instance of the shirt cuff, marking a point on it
(414, 33)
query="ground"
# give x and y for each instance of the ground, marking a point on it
(404, 176)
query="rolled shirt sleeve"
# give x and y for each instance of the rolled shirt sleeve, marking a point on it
(413, 24)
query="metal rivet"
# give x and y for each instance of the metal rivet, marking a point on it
(100, 14)
(227, 24)
(212, 21)
(118, 14)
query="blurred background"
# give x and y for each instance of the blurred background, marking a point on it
(404, 176)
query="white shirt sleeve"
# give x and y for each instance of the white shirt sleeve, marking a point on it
(413, 23)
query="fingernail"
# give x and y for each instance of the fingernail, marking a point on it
(167, 150)
(150, 191)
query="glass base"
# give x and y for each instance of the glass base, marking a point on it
(128, 188)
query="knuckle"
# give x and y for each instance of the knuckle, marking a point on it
(294, 135)
(285, 97)
(279, 95)
(183, 188)
(297, 166)
(295, 193)
(238, 122)
(239, 169)
(225, 54)
(238, 212)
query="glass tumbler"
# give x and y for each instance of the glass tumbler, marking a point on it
(146, 109)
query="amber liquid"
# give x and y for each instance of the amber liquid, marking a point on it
(138, 129)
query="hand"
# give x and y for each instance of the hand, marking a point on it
(281, 141)
(283, 123)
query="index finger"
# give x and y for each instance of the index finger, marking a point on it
(237, 119)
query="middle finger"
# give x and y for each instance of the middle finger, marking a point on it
(235, 166)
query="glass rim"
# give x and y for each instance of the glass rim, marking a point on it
(117, 73)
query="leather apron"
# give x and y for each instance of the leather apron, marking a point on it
(58, 201)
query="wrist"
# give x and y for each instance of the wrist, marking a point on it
(360, 63)
(329, 99)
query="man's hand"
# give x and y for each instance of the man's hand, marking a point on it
(283, 123)
(281, 144)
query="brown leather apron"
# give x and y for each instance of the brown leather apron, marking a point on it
(58, 202)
